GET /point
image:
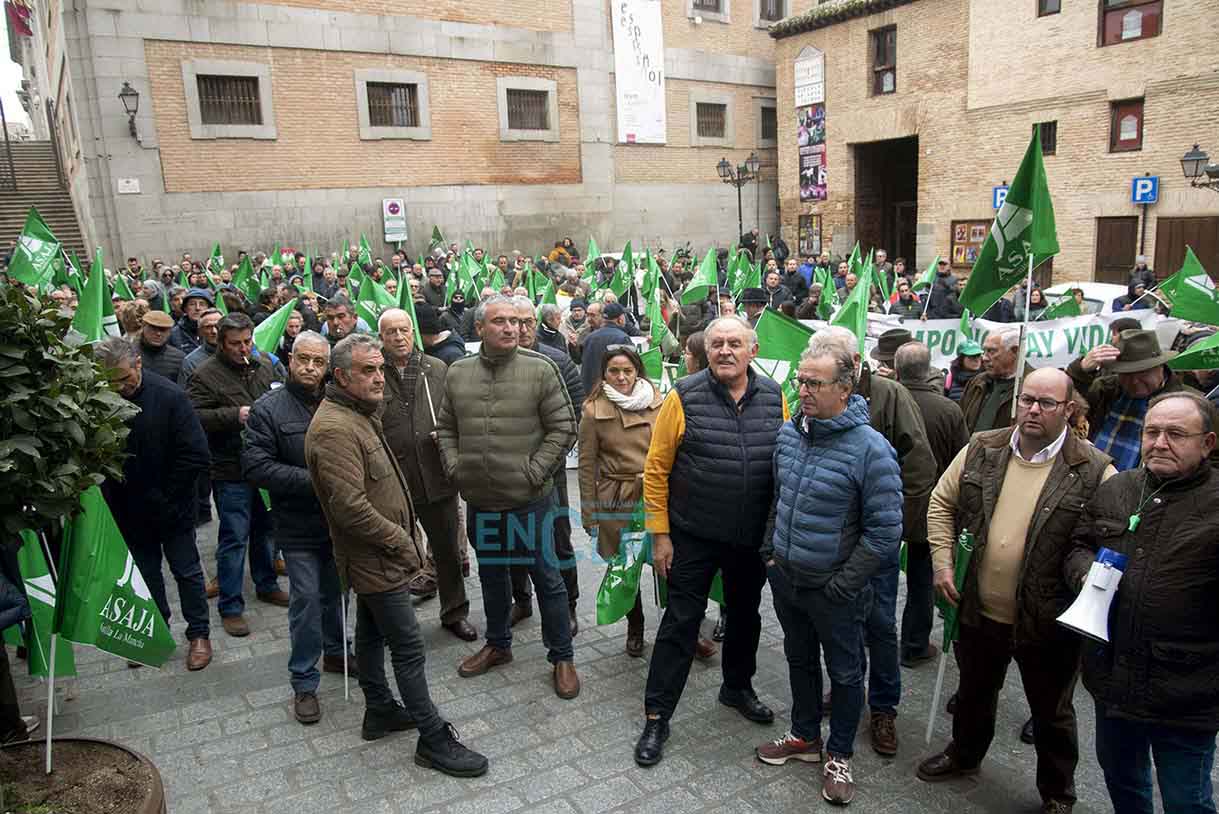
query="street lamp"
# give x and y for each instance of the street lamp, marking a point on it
(1195, 164)
(130, 97)
(738, 177)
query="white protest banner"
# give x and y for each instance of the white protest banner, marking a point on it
(639, 71)
(1051, 343)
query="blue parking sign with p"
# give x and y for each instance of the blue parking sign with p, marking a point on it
(1145, 189)
(997, 196)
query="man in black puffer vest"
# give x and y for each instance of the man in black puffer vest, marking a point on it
(708, 484)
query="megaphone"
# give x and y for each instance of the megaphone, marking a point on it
(1089, 613)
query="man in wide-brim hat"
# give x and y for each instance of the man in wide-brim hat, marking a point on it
(1119, 381)
(886, 348)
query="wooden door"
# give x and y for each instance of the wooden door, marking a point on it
(1117, 241)
(1174, 234)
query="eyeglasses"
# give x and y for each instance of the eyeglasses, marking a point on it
(812, 385)
(1153, 435)
(1046, 404)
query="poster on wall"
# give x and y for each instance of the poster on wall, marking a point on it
(809, 235)
(810, 130)
(639, 78)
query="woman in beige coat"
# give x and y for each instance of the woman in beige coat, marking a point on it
(615, 431)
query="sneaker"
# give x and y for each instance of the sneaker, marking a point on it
(718, 634)
(31, 723)
(380, 722)
(789, 747)
(884, 733)
(837, 786)
(306, 708)
(444, 753)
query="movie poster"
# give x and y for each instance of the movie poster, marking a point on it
(810, 129)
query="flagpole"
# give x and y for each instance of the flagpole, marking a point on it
(1213, 392)
(51, 699)
(1024, 331)
(343, 621)
(935, 696)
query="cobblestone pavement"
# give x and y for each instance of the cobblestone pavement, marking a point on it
(225, 740)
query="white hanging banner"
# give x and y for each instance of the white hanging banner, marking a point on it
(639, 78)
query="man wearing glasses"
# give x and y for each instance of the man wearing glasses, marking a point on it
(1013, 590)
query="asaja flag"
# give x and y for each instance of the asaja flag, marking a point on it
(40, 591)
(548, 294)
(706, 278)
(122, 288)
(270, 332)
(624, 273)
(1023, 229)
(1192, 292)
(781, 340)
(653, 365)
(365, 255)
(102, 599)
(853, 315)
(928, 278)
(215, 262)
(406, 301)
(33, 261)
(437, 239)
(651, 275)
(307, 275)
(94, 318)
(1202, 356)
(1065, 307)
(656, 319)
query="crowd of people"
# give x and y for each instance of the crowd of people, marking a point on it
(373, 457)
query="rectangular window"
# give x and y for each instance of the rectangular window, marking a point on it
(770, 10)
(884, 60)
(528, 109)
(770, 124)
(393, 105)
(229, 100)
(713, 6)
(1049, 137)
(1046, 7)
(711, 119)
(1125, 20)
(1126, 126)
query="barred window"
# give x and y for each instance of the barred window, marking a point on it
(884, 60)
(713, 6)
(770, 124)
(770, 10)
(528, 109)
(711, 119)
(229, 99)
(1049, 137)
(393, 105)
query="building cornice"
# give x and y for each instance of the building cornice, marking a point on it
(822, 16)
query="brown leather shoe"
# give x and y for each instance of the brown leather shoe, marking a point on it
(566, 682)
(941, 767)
(519, 612)
(235, 625)
(884, 733)
(484, 660)
(334, 664)
(306, 708)
(462, 629)
(213, 588)
(199, 655)
(705, 649)
(276, 597)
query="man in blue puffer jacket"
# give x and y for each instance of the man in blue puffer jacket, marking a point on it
(836, 520)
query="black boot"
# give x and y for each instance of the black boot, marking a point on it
(379, 722)
(650, 747)
(444, 753)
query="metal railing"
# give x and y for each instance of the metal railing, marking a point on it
(229, 100)
(391, 105)
(528, 109)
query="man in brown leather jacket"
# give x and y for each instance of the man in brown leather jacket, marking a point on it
(367, 505)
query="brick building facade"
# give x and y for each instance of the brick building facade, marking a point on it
(311, 164)
(1129, 86)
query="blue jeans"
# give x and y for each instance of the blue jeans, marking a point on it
(1183, 761)
(880, 636)
(388, 618)
(314, 620)
(244, 523)
(182, 555)
(523, 536)
(812, 622)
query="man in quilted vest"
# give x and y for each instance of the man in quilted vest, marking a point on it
(1014, 590)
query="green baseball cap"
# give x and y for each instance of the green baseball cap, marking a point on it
(969, 348)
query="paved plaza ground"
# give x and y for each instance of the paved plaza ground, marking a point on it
(225, 739)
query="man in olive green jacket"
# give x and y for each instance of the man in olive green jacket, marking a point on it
(506, 424)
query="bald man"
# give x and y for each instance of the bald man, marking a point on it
(1014, 590)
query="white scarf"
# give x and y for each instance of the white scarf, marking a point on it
(639, 399)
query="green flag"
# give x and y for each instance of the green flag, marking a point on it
(548, 294)
(1202, 356)
(215, 261)
(365, 255)
(853, 315)
(928, 278)
(94, 317)
(220, 306)
(651, 275)
(781, 340)
(624, 273)
(275, 258)
(269, 332)
(406, 301)
(965, 327)
(497, 280)
(1022, 229)
(653, 365)
(307, 275)
(750, 274)
(437, 239)
(40, 591)
(707, 277)
(1065, 307)
(881, 280)
(1192, 292)
(828, 303)
(102, 599)
(656, 318)
(245, 281)
(122, 288)
(33, 261)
